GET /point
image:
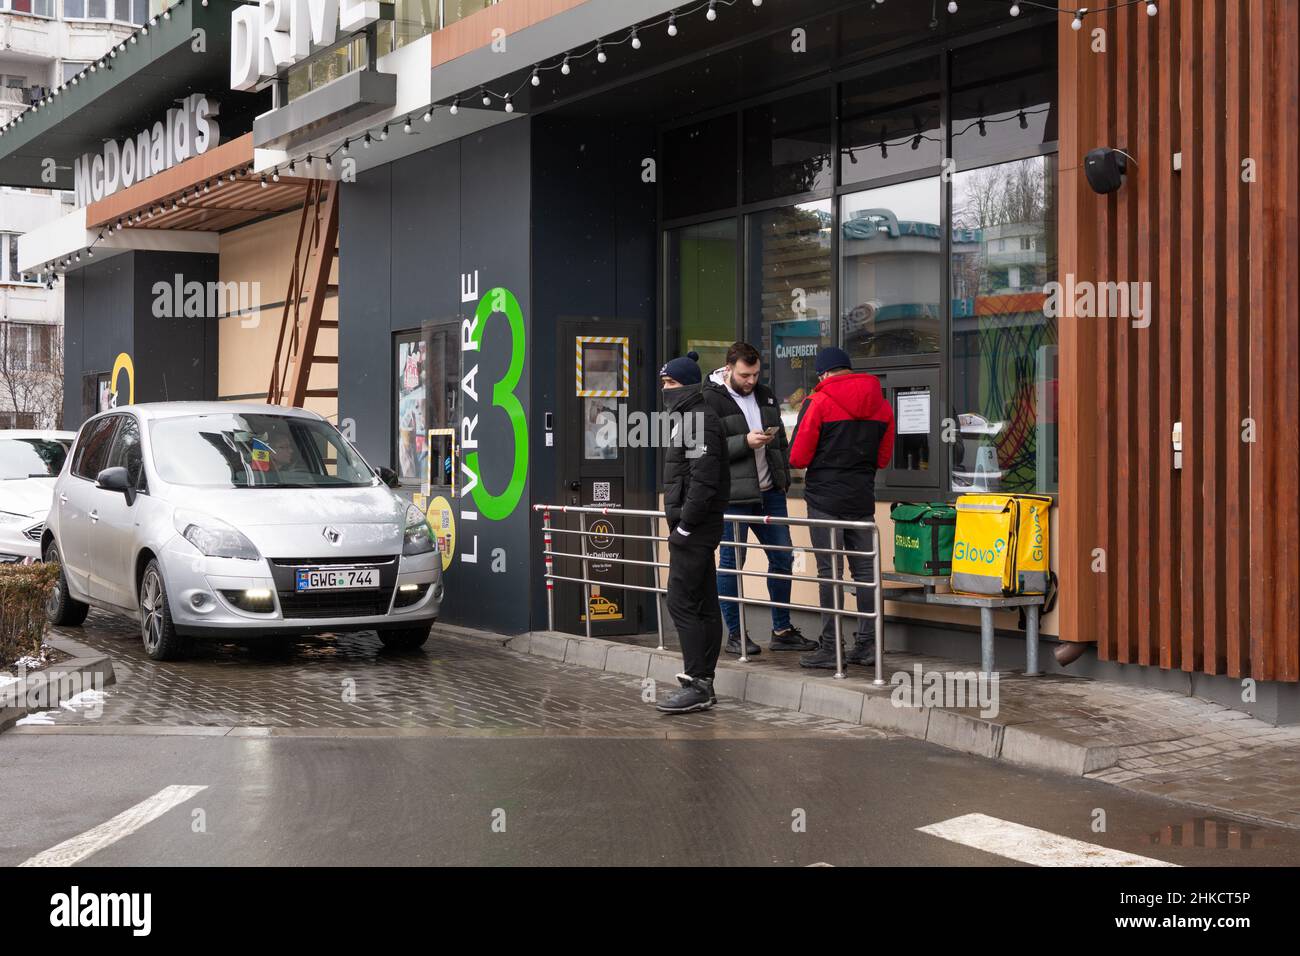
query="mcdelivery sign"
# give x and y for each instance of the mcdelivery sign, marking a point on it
(275, 34)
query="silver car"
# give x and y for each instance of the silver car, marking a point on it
(229, 521)
(29, 463)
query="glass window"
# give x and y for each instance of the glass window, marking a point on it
(74, 9)
(698, 169)
(789, 296)
(92, 449)
(412, 407)
(12, 258)
(454, 10)
(1004, 378)
(226, 450)
(891, 270)
(788, 146)
(412, 19)
(890, 123)
(126, 452)
(1003, 97)
(701, 267)
(97, 9)
(31, 458)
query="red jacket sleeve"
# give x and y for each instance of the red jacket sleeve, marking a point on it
(886, 415)
(807, 431)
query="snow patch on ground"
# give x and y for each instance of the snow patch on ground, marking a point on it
(87, 698)
(44, 718)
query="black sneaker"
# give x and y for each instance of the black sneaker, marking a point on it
(698, 695)
(751, 649)
(791, 639)
(863, 653)
(686, 680)
(823, 657)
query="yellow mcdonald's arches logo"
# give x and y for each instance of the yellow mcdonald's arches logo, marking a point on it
(123, 363)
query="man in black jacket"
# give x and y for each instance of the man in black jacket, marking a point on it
(696, 487)
(758, 452)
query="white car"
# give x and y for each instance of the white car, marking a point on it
(233, 521)
(30, 461)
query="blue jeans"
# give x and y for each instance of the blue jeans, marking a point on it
(778, 562)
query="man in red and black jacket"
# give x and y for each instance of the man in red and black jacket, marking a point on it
(844, 434)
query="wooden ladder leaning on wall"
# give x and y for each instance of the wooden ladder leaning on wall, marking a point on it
(309, 285)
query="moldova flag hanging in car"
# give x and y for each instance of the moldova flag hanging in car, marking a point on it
(261, 455)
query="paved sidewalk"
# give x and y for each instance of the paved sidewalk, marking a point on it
(1153, 741)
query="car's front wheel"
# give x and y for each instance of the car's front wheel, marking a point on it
(405, 638)
(161, 642)
(61, 608)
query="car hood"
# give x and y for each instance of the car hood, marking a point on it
(27, 496)
(292, 522)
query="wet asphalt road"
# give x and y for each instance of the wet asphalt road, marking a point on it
(470, 754)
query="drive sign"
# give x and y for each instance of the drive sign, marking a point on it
(275, 34)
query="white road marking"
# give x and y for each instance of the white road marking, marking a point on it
(124, 824)
(1029, 845)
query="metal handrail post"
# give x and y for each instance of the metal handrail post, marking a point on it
(837, 600)
(740, 591)
(659, 598)
(550, 570)
(880, 609)
(586, 574)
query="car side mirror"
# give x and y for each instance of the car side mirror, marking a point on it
(116, 479)
(389, 477)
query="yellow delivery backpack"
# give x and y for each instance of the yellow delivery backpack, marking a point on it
(1001, 545)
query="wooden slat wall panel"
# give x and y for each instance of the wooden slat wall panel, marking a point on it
(1203, 564)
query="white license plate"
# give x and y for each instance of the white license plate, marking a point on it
(338, 579)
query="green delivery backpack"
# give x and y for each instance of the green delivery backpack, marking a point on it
(923, 537)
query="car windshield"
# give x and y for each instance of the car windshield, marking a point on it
(31, 458)
(224, 450)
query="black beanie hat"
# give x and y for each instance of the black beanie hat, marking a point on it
(684, 369)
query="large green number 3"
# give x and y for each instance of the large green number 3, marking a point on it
(499, 507)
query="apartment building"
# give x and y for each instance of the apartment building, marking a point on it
(44, 44)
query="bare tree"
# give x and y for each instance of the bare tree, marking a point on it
(31, 383)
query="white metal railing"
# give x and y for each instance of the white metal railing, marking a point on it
(838, 552)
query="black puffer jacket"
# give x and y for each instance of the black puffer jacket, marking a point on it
(697, 482)
(735, 428)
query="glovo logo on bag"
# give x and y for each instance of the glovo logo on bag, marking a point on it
(968, 551)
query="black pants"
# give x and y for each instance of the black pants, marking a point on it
(853, 539)
(693, 599)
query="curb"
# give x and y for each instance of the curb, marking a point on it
(852, 700)
(47, 686)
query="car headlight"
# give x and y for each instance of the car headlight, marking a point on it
(416, 539)
(7, 517)
(213, 537)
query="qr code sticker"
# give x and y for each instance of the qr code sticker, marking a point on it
(600, 492)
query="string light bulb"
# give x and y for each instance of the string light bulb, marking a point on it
(428, 115)
(952, 6)
(1077, 23)
(672, 24)
(564, 67)
(712, 13)
(1015, 9)
(536, 80)
(455, 106)
(510, 107)
(406, 127)
(1152, 9)
(600, 53)
(636, 40)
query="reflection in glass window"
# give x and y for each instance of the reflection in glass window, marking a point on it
(789, 298)
(891, 270)
(890, 123)
(788, 146)
(1004, 376)
(1003, 96)
(702, 262)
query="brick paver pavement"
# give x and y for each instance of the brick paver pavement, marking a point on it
(350, 682)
